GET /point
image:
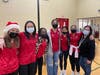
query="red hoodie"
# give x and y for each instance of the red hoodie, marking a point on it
(8, 60)
(27, 50)
(41, 49)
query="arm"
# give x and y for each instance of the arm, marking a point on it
(92, 50)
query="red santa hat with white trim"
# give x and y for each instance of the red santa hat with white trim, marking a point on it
(11, 25)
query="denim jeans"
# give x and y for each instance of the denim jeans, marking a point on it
(86, 67)
(52, 64)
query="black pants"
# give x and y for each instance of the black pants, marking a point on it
(39, 64)
(74, 63)
(27, 69)
(63, 57)
(14, 73)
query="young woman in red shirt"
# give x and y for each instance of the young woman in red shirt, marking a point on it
(53, 49)
(74, 50)
(27, 50)
(64, 49)
(42, 44)
(8, 52)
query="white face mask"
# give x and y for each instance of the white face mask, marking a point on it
(30, 30)
(86, 32)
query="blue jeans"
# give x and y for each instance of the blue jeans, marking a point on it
(52, 64)
(86, 67)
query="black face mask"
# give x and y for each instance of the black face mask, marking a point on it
(13, 35)
(73, 30)
(44, 36)
(55, 26)
(64, 33)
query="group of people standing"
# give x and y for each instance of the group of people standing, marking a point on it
(22, 52)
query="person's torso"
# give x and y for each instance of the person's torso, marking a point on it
(55, 40)
(8, 60)
(75, 38)
(41, 49)
(27, 49)
(64, 42)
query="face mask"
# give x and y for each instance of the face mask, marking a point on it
(30, 30)
(73, 30)
(13, 35)
(44, 36)
(85, 32)
(64, 33)
(55, 26)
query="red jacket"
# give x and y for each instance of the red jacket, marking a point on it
(27, 50)
(55, 36)
(41, 49)
(8, 60)
(75, 38)
(64, 43)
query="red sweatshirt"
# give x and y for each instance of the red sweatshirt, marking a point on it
(75, 38)
(64, 43)
(41, 49)
(27, 50)
(8, 60)
(55, 40)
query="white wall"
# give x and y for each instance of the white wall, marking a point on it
(88, 8)
(23, 10)
(57, 8)
(17, 10)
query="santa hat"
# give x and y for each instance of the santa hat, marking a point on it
(11, 25)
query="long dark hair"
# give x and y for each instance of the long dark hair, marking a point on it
(28, 34)
(39, 34)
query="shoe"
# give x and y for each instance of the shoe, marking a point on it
(64, 72)
(78, 73)
(61, 72)
(72, 73)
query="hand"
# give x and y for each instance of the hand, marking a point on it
(91, 37)
(88, 62)
(1, 43)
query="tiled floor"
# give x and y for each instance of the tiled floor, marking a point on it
(95, 65)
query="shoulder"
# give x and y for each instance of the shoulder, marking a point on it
(21, 34)
(79, 33)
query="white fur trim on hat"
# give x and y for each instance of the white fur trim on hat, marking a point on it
(7, 28)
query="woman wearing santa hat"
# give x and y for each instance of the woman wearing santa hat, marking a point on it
(74, 50)
(8, 52)
(27, 50)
